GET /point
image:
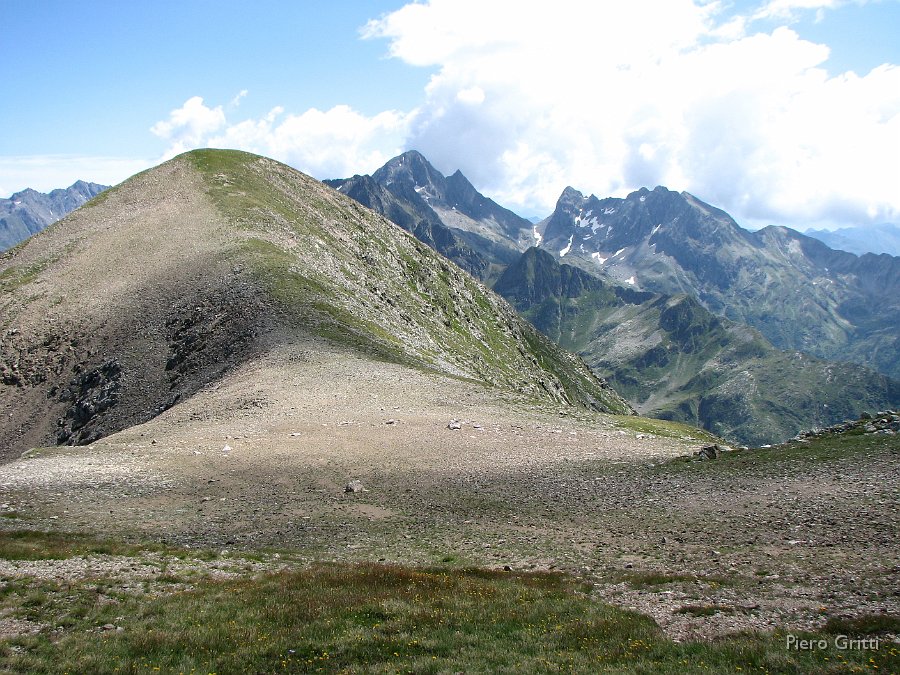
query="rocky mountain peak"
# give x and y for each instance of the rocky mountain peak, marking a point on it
(412, 167)
(570, 197)
(469, 218)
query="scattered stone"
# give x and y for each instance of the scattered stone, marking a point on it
(391, 421)
(227, 448)
(709, 452)
(454, 424)
(355, 486)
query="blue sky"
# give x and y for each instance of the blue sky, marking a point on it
(784, 111)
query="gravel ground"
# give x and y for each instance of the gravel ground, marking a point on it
(260, 461)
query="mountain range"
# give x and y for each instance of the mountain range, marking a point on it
(674, 359)
(800, 294)
(883, 238)
(28, 212)
(689, 315)
(214, 261)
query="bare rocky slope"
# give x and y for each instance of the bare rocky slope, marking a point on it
(165, 283)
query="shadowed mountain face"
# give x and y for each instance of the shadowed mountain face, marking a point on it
(28, 212)
(673, 359)
(799, 293)
(405, 207)
(193, 268)
(447, 213)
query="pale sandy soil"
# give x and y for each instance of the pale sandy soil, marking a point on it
(261, 459)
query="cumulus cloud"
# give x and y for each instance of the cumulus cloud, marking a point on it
(327, 144)
(526, 99)
(189, 125)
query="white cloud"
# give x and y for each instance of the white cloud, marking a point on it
(326, 144)
(472, 95)
(610, 96)
(188, 125)
(236, 101)
(49, 172)
(788, 9)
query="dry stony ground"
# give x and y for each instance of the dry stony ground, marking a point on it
(259, 463)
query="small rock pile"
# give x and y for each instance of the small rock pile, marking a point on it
(886, 422)
(711, 451)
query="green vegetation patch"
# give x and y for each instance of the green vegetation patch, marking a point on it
(665, 428)
(15, 276)
(377, 618)
(35, 545)
(791, 457)
(245, 186)
(652, 579)
(313, 305)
